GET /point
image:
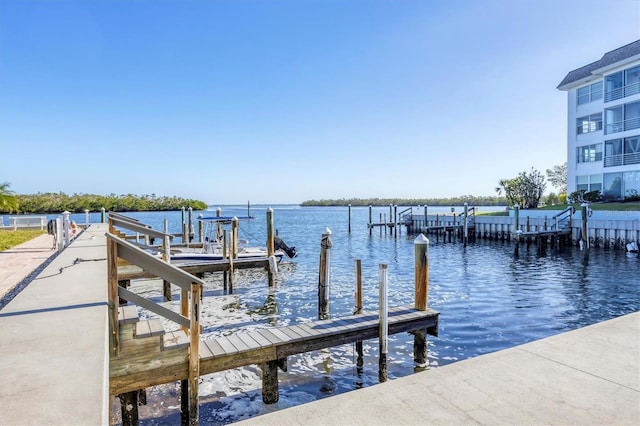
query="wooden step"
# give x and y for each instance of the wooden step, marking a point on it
(175, 340)
(152, 327)
(127, 314)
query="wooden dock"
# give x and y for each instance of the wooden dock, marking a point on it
(142, 354)
(149, 356)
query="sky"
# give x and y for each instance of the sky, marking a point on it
(276, 101)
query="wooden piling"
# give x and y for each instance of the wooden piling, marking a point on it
(466, 224)
(421, 272)
(324, 279)
(349, 227)
(358, 311)
(370, 220)
(270, 244)
(270, 393)
(200, 229)
(129, 408)
(191, 228)
(384, 325)
(585, 230)
(194, 350)
(166, 256)
(184, 402)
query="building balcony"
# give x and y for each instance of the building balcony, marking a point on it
(622, 92)
(621, 126)
(622, 159)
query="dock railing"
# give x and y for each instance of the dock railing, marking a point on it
(562, 220)
(188, 318)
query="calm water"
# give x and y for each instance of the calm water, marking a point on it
(488, 301)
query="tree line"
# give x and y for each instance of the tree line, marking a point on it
(454, 201)
(77, 203)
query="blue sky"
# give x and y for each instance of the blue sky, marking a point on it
(285, 101)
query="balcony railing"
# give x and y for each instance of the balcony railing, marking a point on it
(621, 92)
(622, 159)
(621, 126)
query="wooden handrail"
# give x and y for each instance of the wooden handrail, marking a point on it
(120, 248)
(134, 225)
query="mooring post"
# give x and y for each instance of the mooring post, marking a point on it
(384, 323)
(516, 218)
(166, 256)
(234, 236)
(86, 218)
(396, 224)
(358, 310)
(349, 229)
(324, 280)
(421, 272)
(421, 288)
(426, 220)
(584, 241)
(370, 220)
(191, 228)
(390, 218)
(516, 250)
(102, 215)
(270, 394)
(270, 243)
(225, 250)
(200, 229)
(466, 224)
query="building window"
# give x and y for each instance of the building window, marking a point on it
(589, 123)
(612, 185)
(589, 153)
(622, 84)
(622, 118)
(589, 183)
(590, 93)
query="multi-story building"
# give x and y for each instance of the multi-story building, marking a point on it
(603, 145)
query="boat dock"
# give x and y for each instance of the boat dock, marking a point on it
(56, 366)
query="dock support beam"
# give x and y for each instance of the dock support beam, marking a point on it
(270, 393)
(129, 408)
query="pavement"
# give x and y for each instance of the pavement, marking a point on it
(589, 376)
(54, 355)
(20, 263)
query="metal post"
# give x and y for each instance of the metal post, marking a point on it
(67, 227)
(86, 218)
(102, 215)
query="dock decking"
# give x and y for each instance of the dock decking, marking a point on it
(150, 359)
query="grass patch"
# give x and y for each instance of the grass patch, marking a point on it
(11, 238)
(612, 207)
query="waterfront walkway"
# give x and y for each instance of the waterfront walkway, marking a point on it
(19, 262)
(586, 376)
(54, 356)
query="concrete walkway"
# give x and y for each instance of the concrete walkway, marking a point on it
(54, 357)
(585, 376)
(19, 262)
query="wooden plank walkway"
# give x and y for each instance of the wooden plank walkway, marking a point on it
(140, 365)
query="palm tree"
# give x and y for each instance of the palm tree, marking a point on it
(8, 199)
